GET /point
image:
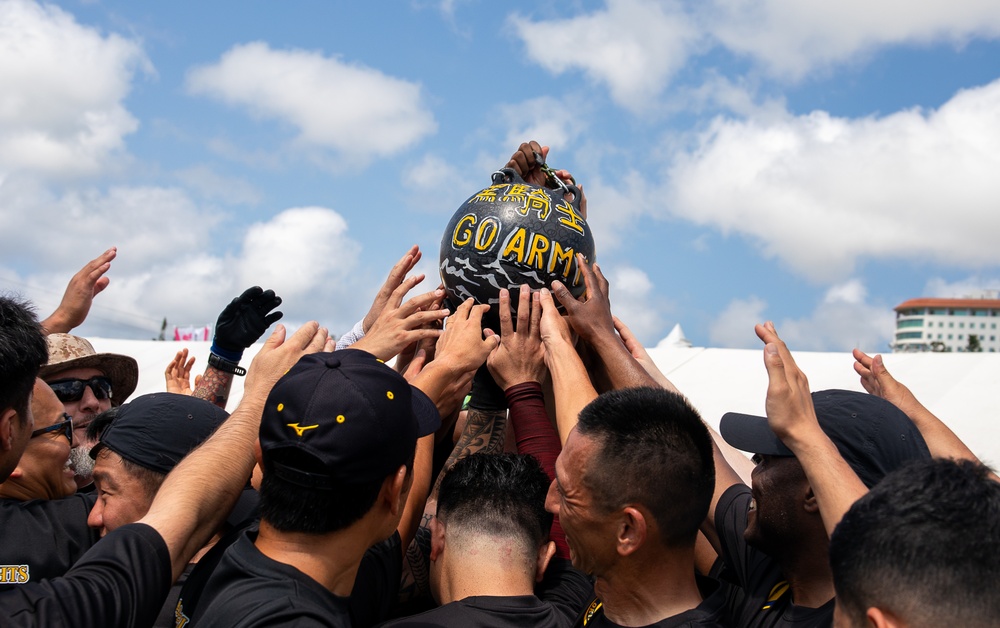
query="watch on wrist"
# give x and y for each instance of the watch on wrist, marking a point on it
(224, 365)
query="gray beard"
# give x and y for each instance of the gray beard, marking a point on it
(81, 462)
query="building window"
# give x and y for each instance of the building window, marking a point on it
(913, 322)
(951, 324)
(949, 336)
(908, 335)
(961, 325)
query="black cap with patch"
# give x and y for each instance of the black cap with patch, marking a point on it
(156, 431)
(342, 417)
(872, 435)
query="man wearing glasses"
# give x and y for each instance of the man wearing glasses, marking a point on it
(43, 471)
(38, 501)
(87, 383)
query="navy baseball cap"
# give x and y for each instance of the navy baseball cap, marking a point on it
(156, 431)
(342, 418)
(873, 436)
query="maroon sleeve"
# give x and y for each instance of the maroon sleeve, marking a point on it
(536, 436)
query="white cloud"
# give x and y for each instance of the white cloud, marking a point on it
(733, 327)
(438, 186)
(614, 206)
(555, 122)
(841, 321)
(969, 288)
(634, 301)
(156, 223)
(299, 252)
(355, 110)
(61, 104)
(634, 47)
(173, 259)
(820, 192)
(790, 38)
(213, 185)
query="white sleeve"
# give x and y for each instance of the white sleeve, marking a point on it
(357, 333)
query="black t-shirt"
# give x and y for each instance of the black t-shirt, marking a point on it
(121, 581)
(761, 597)
(249, 589)
(43, 538)
(562, 594)
(710, 613)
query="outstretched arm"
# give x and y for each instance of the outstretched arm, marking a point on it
(941, 441)
(791, 415)
(518, 366)
(86, 284)
(571, 384)
(592, 320)
(642, 356)
(461, 350)
(201, 490)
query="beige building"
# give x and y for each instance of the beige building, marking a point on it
(946, 324)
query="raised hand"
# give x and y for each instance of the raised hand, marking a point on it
(280, 354)
(877, 381)
(86, 284)
(393, 281)
(789, 405)
(178, 374)
(591, 319)
(244, 321)
(400, 325)
(525, 164)
(520, 357)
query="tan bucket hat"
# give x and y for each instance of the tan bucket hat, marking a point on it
(67, 351)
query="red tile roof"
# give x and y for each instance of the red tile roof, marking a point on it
(979, 304)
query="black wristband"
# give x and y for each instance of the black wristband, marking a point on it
(224, 365)
(486, 395)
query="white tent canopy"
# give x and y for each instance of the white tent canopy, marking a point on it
(958, 387)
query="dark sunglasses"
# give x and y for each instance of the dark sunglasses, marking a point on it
(72, 389)
(66, 427)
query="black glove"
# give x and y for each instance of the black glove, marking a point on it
(244, 321)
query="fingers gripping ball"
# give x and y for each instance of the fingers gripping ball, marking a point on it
(513, 233)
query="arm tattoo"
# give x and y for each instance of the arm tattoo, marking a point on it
(483, 432)
(214, 386)
(415, 582)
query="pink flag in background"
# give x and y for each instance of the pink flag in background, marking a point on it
(192, 333)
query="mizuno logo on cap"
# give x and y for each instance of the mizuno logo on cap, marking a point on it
(299, 429)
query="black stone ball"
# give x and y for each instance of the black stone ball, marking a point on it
(509, 234)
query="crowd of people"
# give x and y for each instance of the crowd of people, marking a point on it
(425, 470)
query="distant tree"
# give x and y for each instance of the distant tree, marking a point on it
(939, 347)
(974, 346)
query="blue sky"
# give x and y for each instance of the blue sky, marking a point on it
(808, 162)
